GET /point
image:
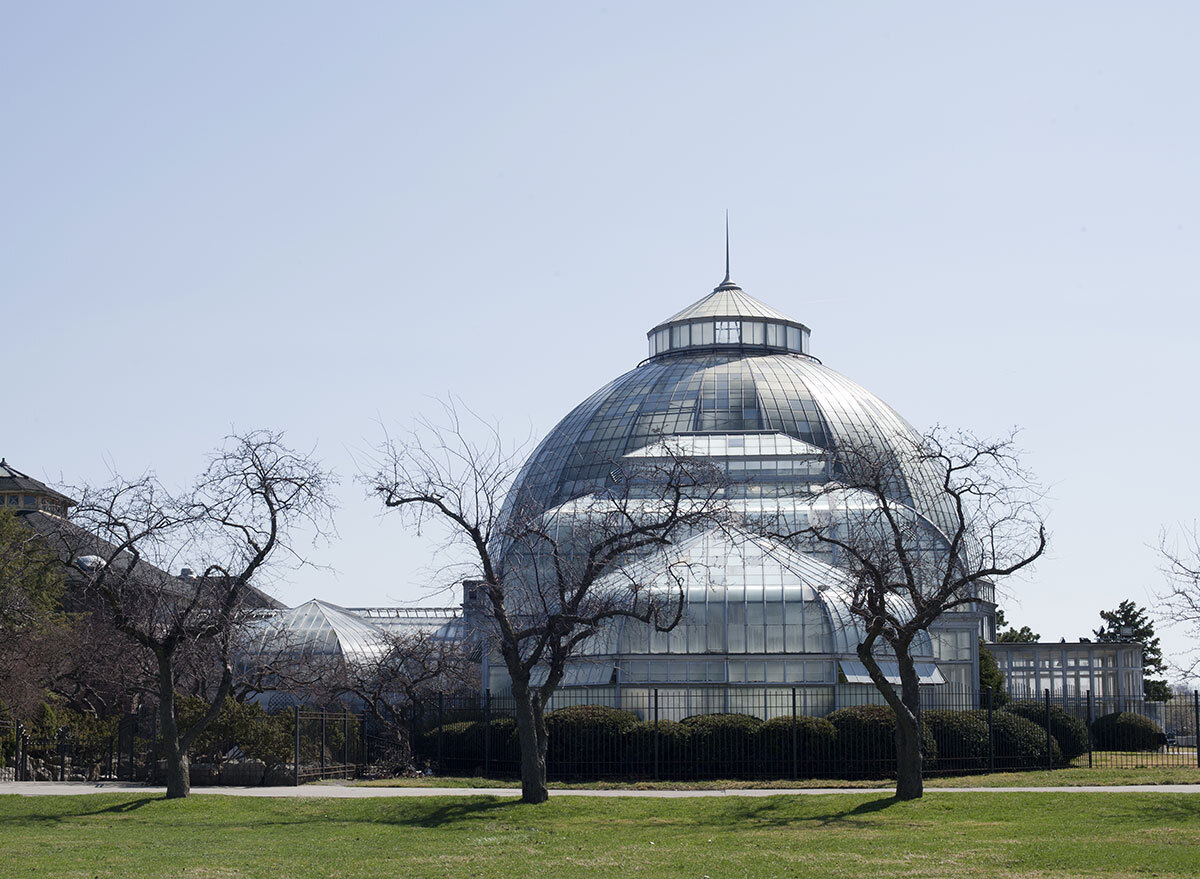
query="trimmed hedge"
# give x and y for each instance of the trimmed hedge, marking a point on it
(1020, 743)
(815, 741)
(1070, 732)
(586, 739)
(463, 746)
(962, 738)
(674, 750)
(1126, 731)
(866, 741)
(723, 745)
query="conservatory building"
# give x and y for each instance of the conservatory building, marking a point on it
(732, 380)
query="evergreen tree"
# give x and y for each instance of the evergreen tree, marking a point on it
(990, 676)
(1022, 635)
(1130, 622)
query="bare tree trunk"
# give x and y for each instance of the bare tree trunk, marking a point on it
(906, 704)
(178, 782)
(531, 733)
(910, 784)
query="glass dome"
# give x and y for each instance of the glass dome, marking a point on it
(731, 390)
(721, 384)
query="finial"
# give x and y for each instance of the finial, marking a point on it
(726, 281)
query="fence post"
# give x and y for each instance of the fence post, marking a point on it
(991, 694)
(441, 716)
(795, 747)
(487, 731)
(22, 773)
(153, 767)
(1091, 717)
(1196, 718)
(296, 745)
(656, 734)
(363, 741)
(322, 743)
(345, 742)
(1049, 756)
(412, 730)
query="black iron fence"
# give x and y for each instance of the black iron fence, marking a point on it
(654, 733)
(660, 733)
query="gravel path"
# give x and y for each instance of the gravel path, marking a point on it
(335, 791)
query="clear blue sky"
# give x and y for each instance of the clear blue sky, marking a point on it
(313, 217)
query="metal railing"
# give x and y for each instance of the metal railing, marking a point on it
(656, 733)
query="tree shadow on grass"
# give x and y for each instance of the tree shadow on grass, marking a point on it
(58, 818)
(782, 813)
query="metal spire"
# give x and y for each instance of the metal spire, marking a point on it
(727, 282)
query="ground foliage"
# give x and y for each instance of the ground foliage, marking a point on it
(973, 835)
(1126, 731)
(1070, 732)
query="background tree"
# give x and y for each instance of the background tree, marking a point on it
(1129, 622)
(991, 679)
(906, 572)
(1022, 635)
(389, 678)
(243, 513)
(32, 627)
(547, 579)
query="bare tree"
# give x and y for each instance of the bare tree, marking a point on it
(980, 524)
(242, 516)
(1179, 599)
(387, 677)
(548, 579)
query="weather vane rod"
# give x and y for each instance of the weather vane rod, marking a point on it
(726, 281)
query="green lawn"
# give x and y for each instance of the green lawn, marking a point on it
(1074, 777)
(840, 835)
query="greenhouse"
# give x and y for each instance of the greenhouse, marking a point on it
(731, 379)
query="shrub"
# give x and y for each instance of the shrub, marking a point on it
(866, 741)
(675, 759)
(962, 738)
(815, 742)
(723, 745)
(242, 725)
(1126, 731)
(585, 740)
(1070, 732)
(1020, 743)
(463, 746)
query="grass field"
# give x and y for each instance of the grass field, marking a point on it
(1054, 778)
(840, 835)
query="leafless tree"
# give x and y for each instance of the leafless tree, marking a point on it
(981, 523)
(548, 579)
(1179, 598)
(242, 517)
(388, 677)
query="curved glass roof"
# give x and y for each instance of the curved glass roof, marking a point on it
(728, 318)
(317, 628)
(727, 393)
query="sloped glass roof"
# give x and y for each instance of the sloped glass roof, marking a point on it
(318, 628)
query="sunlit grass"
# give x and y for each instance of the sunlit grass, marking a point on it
(837, 835)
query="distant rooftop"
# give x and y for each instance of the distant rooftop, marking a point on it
(13, 480)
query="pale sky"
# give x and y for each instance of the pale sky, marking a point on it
(316, 217)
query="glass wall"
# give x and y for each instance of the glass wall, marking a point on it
(745, 333)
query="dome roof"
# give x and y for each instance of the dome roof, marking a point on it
(318, 628)
(721, 393)
(727, 300)
(731, 390)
